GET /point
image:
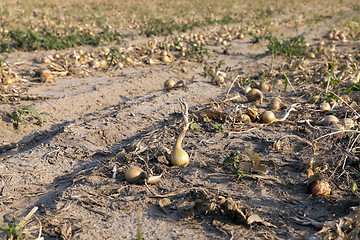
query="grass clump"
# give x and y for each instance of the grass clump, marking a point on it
(13, 230)
(294, 47)
(158, 27)
(354, 88)
(196, 52)
(331, 79)
(47, 38)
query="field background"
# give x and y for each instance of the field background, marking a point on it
(93, 74)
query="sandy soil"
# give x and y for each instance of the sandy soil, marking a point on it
(65, 166)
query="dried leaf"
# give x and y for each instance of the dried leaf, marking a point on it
(277, 145)
(354, 187)
(245, 166)
(257, 219)
(253, 156)
(257, 167)
(164, 202)
(261, 169)
(153, 179)
(253, 218)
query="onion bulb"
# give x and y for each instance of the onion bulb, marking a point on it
(178, 156)
(268, 117)
(246, 89)
(170, 83)
(166, 59)
(153, 179)
(7, 80)
(128, 60)
(255, 95)
(275, 104)
(245, 118)
(329, 120)
(319, 187)
(211, 71)
(264, 87)
(325, 106)
(46, 76)
(135, 174)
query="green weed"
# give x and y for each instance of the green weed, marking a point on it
(193, 127)
(47, 39)
(218, 128)
(13, 230)
(255, 38)
(241, 174)
(329, 97)
(294, 47)
(157, 27)
(331, 79)
(113, 56)
(217, 67)
(2, 64)
(287, 81)
(227, 48)
(196, 52)
(234, 159)
(138, 231)
(18, 116)
(354, 88)
(324, 97)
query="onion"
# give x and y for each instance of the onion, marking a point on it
(7, 80)
(329, 120)
(325, 106)
(268, 117)
(264, 87)
(166, 59)
(45, 76)
(319, 187)
(153, 179)
(170, 83)
(255, 95)
(245, 118)
(135, 174)
(275, 104)
(178, 156)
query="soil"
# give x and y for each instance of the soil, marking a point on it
(65, 166)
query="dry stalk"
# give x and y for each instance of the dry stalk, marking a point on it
(287, 113)
(337, 132)
(40, 228)
(231, 99)
(349, 151)
(232, 84)
(342, 100)
(185, 112)
(25, 219)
